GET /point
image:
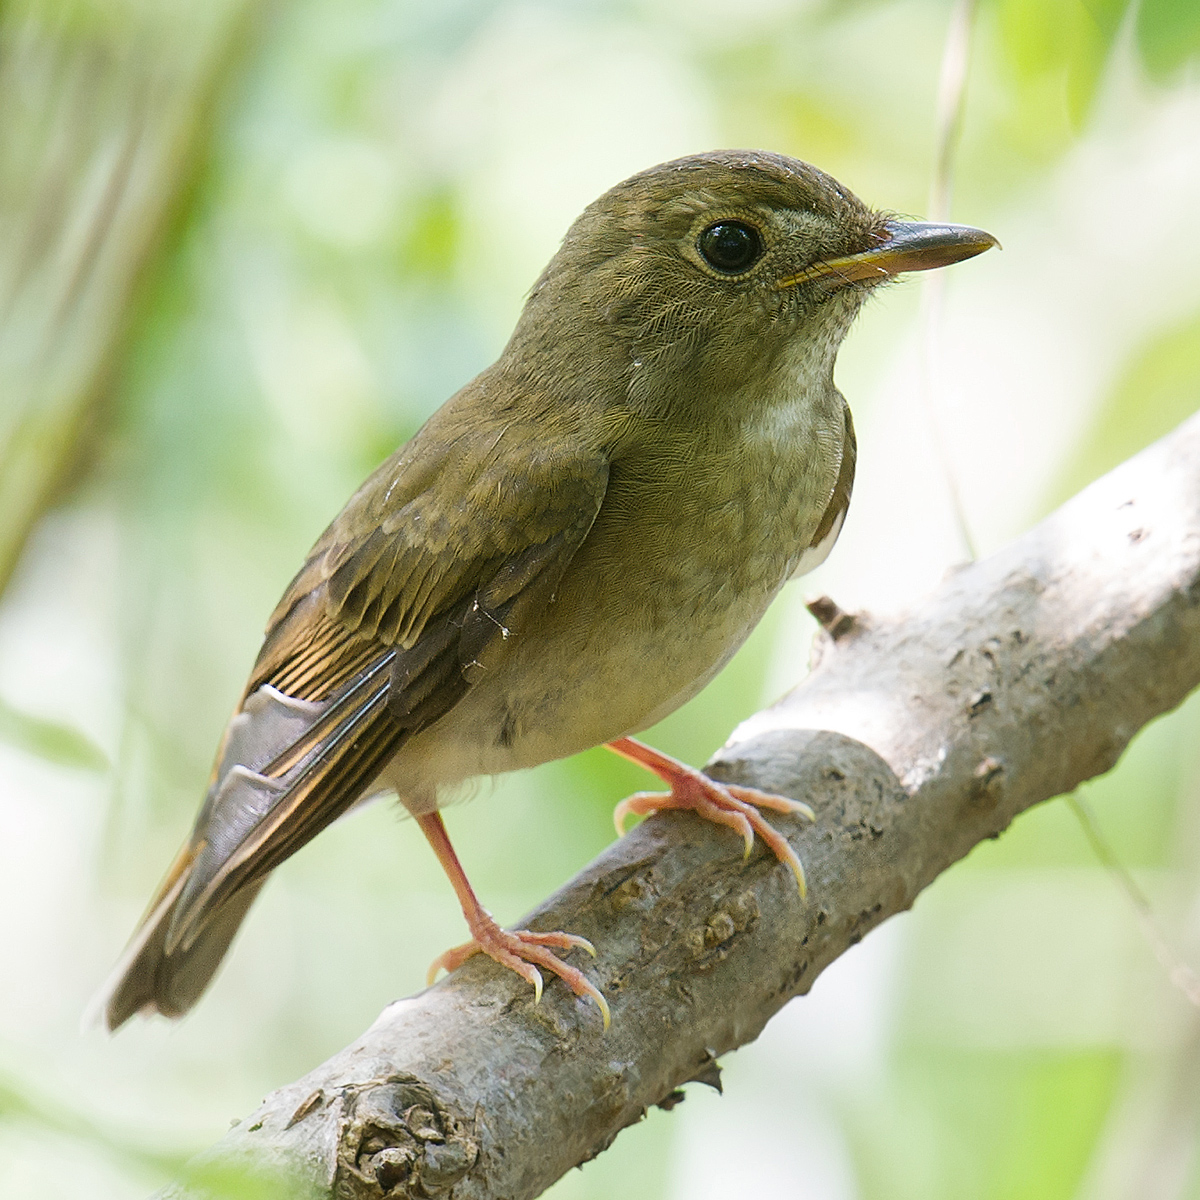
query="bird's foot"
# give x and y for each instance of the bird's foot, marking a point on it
(519, 950)
(523, 951)
(725, 803)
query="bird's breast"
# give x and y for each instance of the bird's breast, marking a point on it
(692, 542)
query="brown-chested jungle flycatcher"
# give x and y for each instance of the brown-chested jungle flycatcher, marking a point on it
(568, 549)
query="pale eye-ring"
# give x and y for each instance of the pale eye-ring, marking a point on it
(730, 247)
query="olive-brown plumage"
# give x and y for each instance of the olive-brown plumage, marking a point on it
(570, 547)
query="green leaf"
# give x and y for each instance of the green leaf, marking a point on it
(1168, 34)
(1057, 50)
(51, 740)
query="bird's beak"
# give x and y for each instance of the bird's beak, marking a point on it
(908, 246)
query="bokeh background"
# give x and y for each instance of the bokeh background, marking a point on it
(247, 247)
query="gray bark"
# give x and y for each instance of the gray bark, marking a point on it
(914, 738)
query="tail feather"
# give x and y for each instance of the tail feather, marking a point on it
(146, 979)
(286, 769)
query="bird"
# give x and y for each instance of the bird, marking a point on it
(569, 549)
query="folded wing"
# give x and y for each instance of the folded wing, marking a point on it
(440, 562)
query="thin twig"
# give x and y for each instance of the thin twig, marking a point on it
(952, 89)
(1178, 971)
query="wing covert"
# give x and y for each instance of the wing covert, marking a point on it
(422, 583)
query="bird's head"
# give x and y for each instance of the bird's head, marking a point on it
(716, 272)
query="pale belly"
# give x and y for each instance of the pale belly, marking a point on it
(562, 697)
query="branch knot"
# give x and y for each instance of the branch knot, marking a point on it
(399, 1142)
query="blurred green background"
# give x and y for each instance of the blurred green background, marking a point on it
(246, 247)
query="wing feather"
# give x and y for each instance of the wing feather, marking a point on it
(389, 637)
(442, 560)
(830, 526)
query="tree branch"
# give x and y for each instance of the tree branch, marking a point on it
(914, 738)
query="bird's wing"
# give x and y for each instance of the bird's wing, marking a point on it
(834, 516)
(440, 562)
(839, 502)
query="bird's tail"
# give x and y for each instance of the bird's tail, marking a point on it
(148, 979)
(286, 768)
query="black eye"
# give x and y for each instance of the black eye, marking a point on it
(730, 246)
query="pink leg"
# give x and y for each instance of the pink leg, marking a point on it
(518, 949)
(724, 803)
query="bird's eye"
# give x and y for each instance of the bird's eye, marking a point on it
(730, 246)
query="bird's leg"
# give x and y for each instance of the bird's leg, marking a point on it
(520, 950)
(725, 803)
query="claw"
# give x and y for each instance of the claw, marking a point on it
(619, 815)
(518, 950)
(724, 803)
(602, 1004)
(801, 883)
(640, 804)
